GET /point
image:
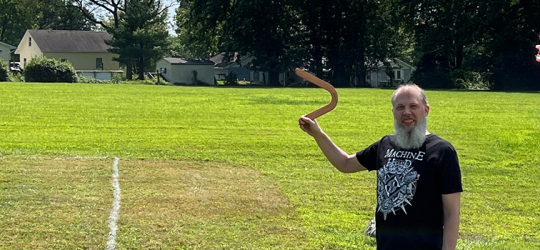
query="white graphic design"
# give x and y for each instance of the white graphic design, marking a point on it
(396, 186)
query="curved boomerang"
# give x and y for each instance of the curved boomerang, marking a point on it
(327, 86)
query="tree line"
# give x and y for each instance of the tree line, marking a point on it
(454, 43)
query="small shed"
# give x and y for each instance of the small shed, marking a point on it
(186, 71)
(5, 51)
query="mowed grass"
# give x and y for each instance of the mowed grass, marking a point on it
(54, 204)
(228, 168)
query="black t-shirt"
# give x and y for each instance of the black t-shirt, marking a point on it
(410, 183)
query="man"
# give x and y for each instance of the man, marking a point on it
(418, 176)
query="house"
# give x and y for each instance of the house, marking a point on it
(85, 50)
(5, 51)
(376, 75)
(238, 66)
(223, 67)
(186, 71)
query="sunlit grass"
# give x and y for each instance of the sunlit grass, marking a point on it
(54, 203)
(255, 130)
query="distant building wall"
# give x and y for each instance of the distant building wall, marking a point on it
(87, 61)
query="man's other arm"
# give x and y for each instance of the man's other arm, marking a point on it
(451, 209)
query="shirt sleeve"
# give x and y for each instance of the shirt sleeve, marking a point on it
(368, 156)
(450, 174)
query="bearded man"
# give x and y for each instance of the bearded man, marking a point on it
(418, 176)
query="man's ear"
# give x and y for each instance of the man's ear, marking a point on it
(426, 109)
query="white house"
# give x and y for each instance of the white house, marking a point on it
(5, 51)
(376, 75)
(238, 66)
(87, 51)
(184, 71)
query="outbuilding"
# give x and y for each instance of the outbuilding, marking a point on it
(5, 51)
(186, 71)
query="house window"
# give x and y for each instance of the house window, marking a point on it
(24, 63)
(398, 74)
(99, 63)
(29, 41)
(255, 76)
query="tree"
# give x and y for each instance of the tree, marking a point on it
(512, 43)
(141, 36)
(495, 38)
(262, 28)
(191, 41)
(15, 18)
(107, 9)
(106, 13)
(18, 16)
(343, 36)
(284, 34)
(62, 15)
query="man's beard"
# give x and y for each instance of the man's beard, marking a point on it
(411, 139)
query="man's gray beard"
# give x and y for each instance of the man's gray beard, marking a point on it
(411, 139)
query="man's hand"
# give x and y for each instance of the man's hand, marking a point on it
(310, 126)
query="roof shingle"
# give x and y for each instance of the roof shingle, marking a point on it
(175, 60)
(70, 40)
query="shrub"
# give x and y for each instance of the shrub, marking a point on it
(65, 72)
(41, 69)
(87, 79)
(471, 80)
(4, 71)
(16, 77)
(231, 79)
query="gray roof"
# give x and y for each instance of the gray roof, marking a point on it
(10, 46)
(219, 59)
(70, 40)
(174, 60)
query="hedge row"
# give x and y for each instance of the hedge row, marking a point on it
(41, 69)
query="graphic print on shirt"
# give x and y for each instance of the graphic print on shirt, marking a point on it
(397, 181)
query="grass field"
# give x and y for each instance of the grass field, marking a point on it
(228, 168)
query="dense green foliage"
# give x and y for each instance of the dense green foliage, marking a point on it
(494, 39)
(141, 36)
(287, 34)
(4, 71)
(16, 16)
(495, 134)
(61, 15)
(340, 41)
(41, 69)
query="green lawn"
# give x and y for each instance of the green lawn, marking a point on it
(228, 167)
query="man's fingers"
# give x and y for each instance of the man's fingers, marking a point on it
(304, 119)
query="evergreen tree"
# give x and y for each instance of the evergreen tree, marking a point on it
(141, 36)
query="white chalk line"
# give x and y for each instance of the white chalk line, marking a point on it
(115, 211)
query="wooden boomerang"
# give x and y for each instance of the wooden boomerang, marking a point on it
(315, 80)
